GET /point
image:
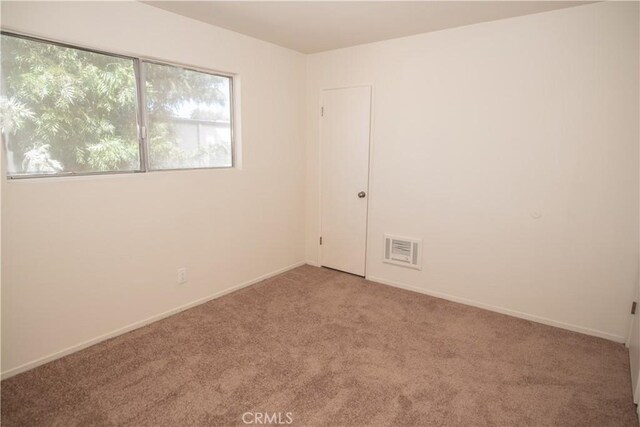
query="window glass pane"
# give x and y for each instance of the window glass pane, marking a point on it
(67, 110)
(189, 116)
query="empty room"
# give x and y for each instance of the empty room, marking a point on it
(336, 213)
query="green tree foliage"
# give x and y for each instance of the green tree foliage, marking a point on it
(70, 105)
(74, 110)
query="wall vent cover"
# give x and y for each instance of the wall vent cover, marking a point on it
(403, 251)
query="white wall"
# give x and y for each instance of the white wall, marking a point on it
(83, 257)
(476, 128)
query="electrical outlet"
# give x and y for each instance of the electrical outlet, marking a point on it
(182, 275)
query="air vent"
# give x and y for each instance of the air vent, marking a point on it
(403, 251)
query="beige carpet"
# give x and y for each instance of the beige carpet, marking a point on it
(331, 349)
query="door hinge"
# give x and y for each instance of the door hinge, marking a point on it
(320, 239)
(321, 111)
(633, 307)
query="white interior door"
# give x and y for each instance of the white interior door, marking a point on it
(344, 145)
(634, 349)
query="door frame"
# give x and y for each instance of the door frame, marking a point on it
(631, 334)
(369, 168)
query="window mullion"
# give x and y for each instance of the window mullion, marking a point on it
(142, 115)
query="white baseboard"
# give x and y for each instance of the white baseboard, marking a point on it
(312, 263)
(533, 318)
(57, 355)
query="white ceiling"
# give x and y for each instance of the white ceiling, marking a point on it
(317, 26)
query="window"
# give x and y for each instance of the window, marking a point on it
(69, 111)
(189, 118)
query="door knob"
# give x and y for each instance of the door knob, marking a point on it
(362, 194)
